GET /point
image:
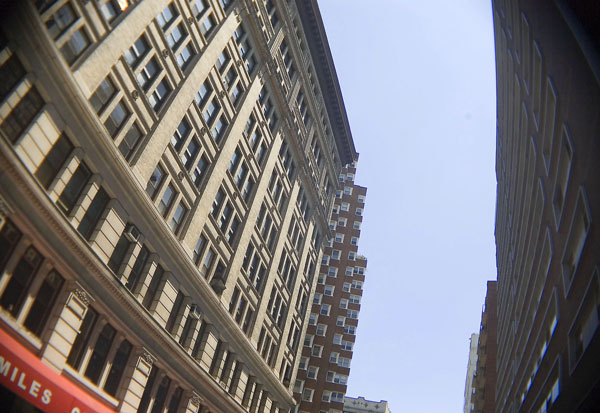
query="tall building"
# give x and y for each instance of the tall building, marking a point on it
(167, 173)
(327, 353)
(471, 366)
(361, 405)
(483, 399)
(548, 172)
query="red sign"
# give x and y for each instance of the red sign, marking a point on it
(31, 379)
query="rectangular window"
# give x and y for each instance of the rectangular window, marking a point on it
(43, 303)
(80, 344)
(167, 200)
(137, 51)
(200, 171)
(11, 73)
(75, 46)
(184, 57)
(154, 182)
(111, 9)
(565, 158)
(117, 118)
(167, 16)
(92, 215)
(54, 161)
(587, 322)
(180, 135)
(22, 115)
(74, 188)
(9, 237)
(580, 226)
(160, 95)
(148, 73)
(103, 95)
(178, 217)
(130, 141)
(23, 274)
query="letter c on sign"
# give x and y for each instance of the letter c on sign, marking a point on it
(75, 410)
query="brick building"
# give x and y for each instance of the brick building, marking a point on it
(327, 353)
(548, 205)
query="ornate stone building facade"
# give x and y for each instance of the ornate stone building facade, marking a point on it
(167, 173)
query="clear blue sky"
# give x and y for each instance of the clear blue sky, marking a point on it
(418, 81)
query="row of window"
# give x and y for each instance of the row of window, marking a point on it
(30, 294)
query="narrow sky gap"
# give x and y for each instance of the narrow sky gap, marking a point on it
(418, 81)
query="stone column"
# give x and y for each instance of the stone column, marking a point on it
(136, 378)
(66, 328)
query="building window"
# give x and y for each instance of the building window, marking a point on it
(332, 272)
(167, 16)
(130, 141)
(117, 118)
(565, 158)
(341, 321)
(176, 36)
(75, 46)
(167, 200)
(11, 73)
(154, 182)
(321, 330)
(325, 309)
(184, 57)
(307, 395)
(189, 155)
(9, 237)
(344, 303)
(54, 160)
(22, 115)
(103, 95)
(312, 372)
(328, 290)
(94, 212)
(580, 226)
(178, 217)
(160, 95)
(137, 51)
(74, 188)
(587, 322)
(111, 9)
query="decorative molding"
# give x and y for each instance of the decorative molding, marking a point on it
(82, 295)
(165, 53)
(196, 399)
(135, 94)
(147, 356)
(5, 208)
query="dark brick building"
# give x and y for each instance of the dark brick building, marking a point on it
(325, 363)
(548, 204)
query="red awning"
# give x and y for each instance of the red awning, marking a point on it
(29, 378)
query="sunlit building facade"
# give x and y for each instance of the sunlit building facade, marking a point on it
(324, 366)
(362, 405)
(167, 173)
(548, 205)
(483, 397)
(471, 366)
